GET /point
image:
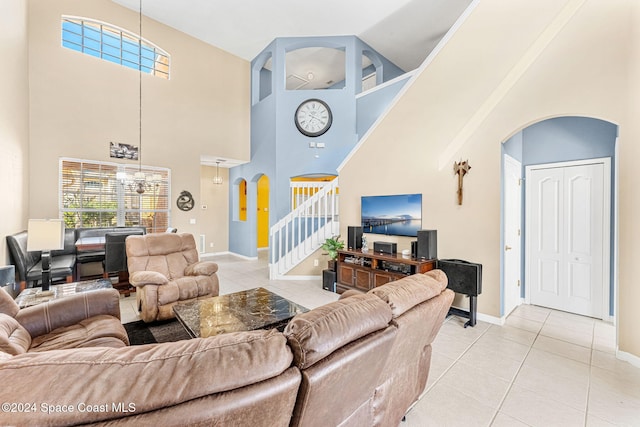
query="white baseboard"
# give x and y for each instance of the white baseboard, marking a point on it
(248, 258)
(298, 278)
(208, 254)
(491, 319)
(628, 357)
(485, 317)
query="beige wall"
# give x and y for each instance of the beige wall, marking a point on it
(14, 121)
(495, 77)
(79, 104)
(214, 219)
(629, 200)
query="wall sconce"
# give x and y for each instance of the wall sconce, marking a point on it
(217, 179)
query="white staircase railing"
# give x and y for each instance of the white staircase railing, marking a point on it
(312, 220)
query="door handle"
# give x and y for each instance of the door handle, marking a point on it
(507, 248)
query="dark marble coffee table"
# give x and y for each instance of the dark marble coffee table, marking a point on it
(241, 311)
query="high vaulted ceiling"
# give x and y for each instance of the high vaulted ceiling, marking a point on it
(403, 31)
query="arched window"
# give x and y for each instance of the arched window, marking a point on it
(114, 44)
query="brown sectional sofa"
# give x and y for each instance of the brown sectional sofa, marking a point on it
(362, 360)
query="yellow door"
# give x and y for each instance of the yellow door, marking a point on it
(263, 212)
(242, 200)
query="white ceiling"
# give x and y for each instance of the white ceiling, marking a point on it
(403, 31)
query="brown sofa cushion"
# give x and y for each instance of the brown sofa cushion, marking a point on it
(14, 339)
(97, 331)
(7, 305)
(410, 291)
(44, 318)
(317, 333)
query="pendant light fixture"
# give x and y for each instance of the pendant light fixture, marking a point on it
(139, 178)
(217, 179)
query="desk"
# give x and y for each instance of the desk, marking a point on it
(34, 296)
(90, 244)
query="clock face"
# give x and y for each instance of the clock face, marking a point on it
(313, 117)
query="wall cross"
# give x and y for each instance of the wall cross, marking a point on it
(461, 168)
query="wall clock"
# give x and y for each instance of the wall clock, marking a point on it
(185, 201)
(313, 117)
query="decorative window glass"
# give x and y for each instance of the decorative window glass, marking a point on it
(114, 44)
(101, 194)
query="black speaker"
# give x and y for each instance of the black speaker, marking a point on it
(414, 249)
(329, 280)
(385, 248)
(354, 238)
(427, 244)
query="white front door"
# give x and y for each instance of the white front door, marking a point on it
(567, 239)
(512, 230)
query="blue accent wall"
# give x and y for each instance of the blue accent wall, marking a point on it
(278, 149)
(373, 104)
(564, 139)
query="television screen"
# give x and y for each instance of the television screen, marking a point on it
(398, 215)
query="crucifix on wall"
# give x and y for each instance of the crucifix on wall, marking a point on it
(461, 168)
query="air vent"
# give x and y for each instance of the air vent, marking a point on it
(295, 82)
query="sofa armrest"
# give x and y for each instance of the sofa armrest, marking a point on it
(43, 318)
(201, 268)
(350, 293)
(142, 278)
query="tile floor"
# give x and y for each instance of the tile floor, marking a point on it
(542, 368)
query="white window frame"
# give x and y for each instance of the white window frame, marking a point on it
(115, 44)
(120, 182)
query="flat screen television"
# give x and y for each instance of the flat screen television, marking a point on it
(397, 215)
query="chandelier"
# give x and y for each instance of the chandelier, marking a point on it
(139, 181)
(139, 178)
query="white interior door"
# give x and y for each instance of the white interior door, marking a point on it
(512, 230)
(566, 211)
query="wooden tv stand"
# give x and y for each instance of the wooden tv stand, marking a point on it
(366, 270)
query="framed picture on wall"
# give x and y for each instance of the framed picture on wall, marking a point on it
(123, 151)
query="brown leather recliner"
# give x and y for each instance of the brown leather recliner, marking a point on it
(165, 269)
(419, 304)
(341, 349)
(87, 319)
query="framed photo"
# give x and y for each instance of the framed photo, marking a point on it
(123, 151)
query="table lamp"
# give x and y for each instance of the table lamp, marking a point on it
(45, 235)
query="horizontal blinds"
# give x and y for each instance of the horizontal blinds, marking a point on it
(100, 194)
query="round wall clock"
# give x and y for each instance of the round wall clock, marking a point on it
(313, 117)
(185, 201)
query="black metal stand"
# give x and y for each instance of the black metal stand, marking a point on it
(471, 314)
(46, 270)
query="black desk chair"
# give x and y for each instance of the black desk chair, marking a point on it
(115, 259)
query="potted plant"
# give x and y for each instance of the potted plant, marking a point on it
(332, 245)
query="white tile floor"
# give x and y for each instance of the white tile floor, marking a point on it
(543, 368)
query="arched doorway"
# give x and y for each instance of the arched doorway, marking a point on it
(554, 217)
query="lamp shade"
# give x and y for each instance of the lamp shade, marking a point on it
(45, 235)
